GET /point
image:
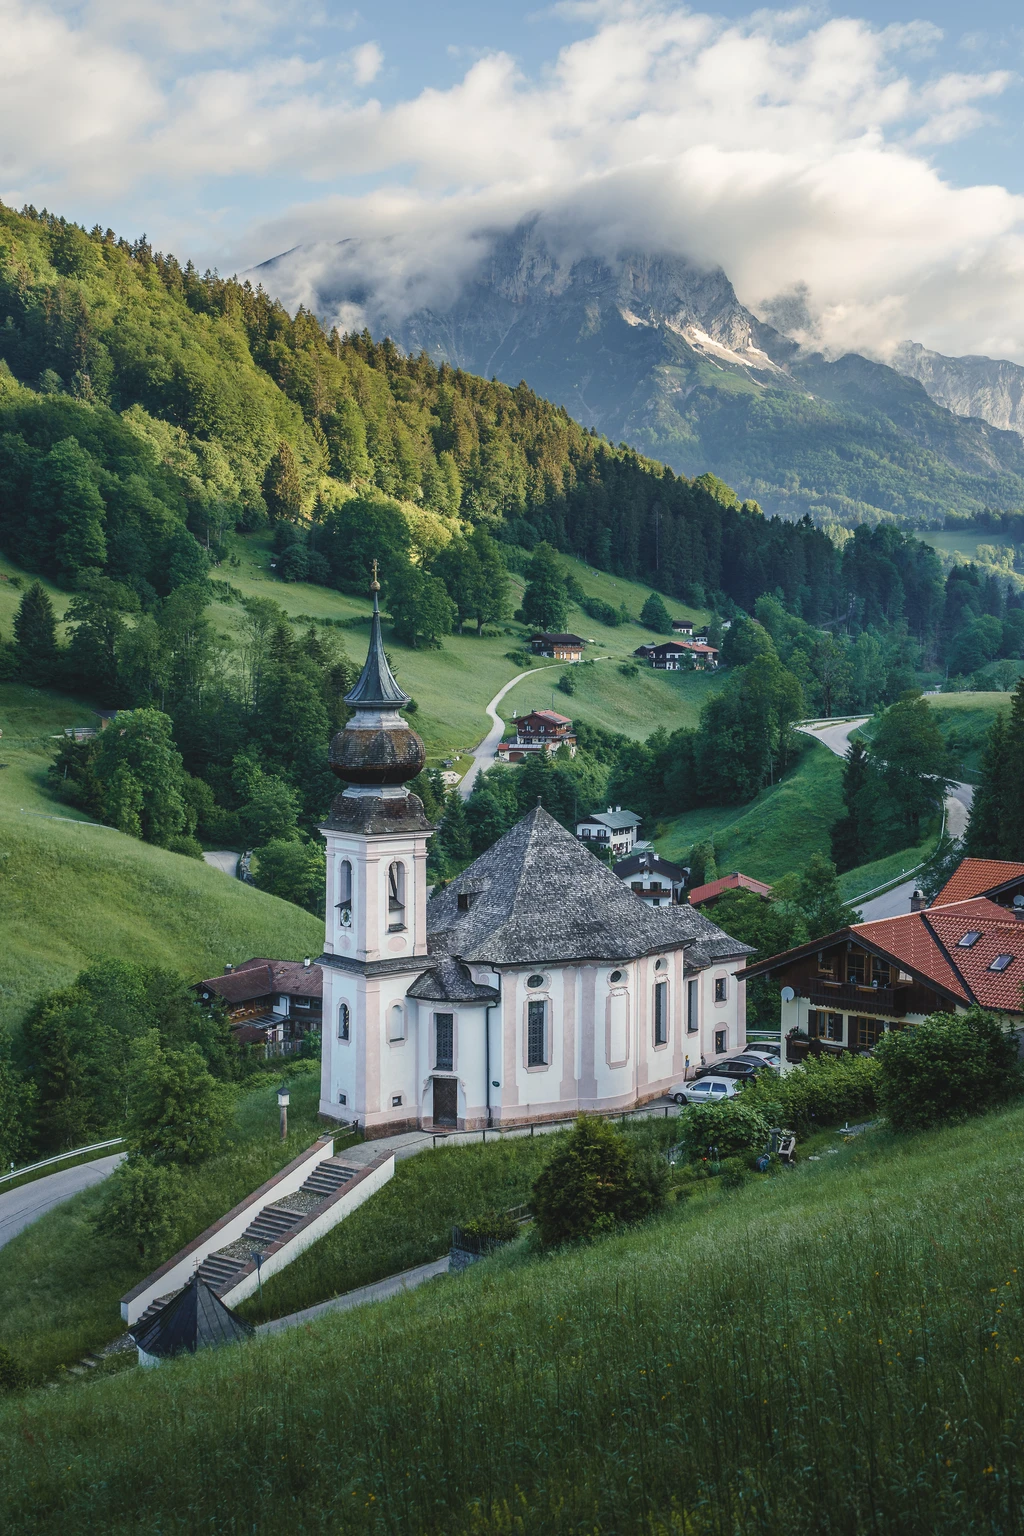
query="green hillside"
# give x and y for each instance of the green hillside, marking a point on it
(776, 833)
(72, 892)
(833, 1350)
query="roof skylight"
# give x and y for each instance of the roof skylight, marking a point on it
(1000, 962)
(968, 940)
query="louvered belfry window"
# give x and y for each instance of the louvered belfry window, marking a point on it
(396, 897)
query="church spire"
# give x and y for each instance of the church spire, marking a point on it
(378, 752)
(376, 688)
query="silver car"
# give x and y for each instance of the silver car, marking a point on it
(707, 1090)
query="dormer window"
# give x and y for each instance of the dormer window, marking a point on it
(969, 940)
(465, 900)
(1000, 962)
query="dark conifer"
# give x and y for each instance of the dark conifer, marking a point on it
(35, 638)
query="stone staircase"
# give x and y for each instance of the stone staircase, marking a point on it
(221, 1270)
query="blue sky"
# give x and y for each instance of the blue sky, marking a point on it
(870, 155)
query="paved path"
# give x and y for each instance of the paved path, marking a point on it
(381, 1290)
(226, 861)
(895, 902)
(483, 756)
(20, 1207)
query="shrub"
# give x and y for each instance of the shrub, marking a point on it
(593, 1181)
(734, 1126)
(189, 847)
(946, 1069)
(13, 1375)
(567, 683)
(494, 1227)
(822, 1092)
(141, 1205)
(629, 669)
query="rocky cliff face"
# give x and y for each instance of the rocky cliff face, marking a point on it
(970, 386)
(654, 350)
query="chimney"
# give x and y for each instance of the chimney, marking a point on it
(917, 902)
(307, 962)
(228, 969)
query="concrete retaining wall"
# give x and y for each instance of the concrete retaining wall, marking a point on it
(179, 1270)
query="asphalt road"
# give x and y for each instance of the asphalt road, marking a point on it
(483, 756)
(228, 862)
(958, 803)
(20, 1207)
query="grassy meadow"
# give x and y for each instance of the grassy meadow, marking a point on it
(964, 720)
(834, 1350)
(62, 1284)
(72, 892)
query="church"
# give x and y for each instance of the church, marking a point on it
(534, 986)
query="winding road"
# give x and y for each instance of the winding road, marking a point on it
(893, 903)
(20, 1207)
(483, 755)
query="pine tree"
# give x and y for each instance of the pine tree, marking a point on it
(453, 833)
(654, 615)
(282, 486)
(35, 638)
(546, 599)
(996, 826)
(849, 835)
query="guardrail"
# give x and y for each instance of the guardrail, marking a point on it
(61, 1157)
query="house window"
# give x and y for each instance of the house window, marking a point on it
(396, 898)
(444, 1042)
(661, 1013)
(535, 981)
(881, 974)
(615, 976)
(465, 900)
(825, 1026)
(344, 1021)
(720, 989)
(345, 893)
(303, 1002)
(721, 1041)
(342, 1098)
(396, 1023)
(855, 969)
(865, 1032)
(969, 939)
(659, 965)
(692, 1005)
(536, 1033)
(396, 1101)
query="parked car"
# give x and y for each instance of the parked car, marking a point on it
(736, 1066)
(771, 1053)
(707, 1090)
(756, 1059)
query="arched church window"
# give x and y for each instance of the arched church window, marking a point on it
(396, 897)
(345, 893)
(344, 1021)
(396, 1023)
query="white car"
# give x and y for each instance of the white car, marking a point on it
(756, 1054)
(707, 1090)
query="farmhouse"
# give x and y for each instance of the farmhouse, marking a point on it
(672, 655)
(842, 992)
(703, 895)
(655, 880)
(560, 647)
(269, 1002)
(540, 731)
(534, 986)
(682, 626)
(613, 830)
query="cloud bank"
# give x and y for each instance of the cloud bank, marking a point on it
(796, 153)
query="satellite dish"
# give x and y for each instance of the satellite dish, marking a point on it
(1018, 902)
(787, 994)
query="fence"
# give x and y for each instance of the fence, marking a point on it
(497, 1133)
(61, 1157)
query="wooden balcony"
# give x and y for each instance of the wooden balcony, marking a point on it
(847, 997)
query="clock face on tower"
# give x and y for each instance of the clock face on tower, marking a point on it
(346, 917)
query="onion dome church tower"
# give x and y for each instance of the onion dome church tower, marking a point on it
(376, 932)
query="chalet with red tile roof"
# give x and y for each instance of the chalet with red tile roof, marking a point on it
(842, 992)
(702, 894)
(542, 730)
(269, 1002)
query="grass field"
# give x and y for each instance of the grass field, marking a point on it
(452, 685)
(61, 1283)
(887, 871)
(830, 1352)
(72, 892)
(964, 543)
(774, 834)
(964, 720)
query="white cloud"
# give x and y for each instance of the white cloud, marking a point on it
(789, 149)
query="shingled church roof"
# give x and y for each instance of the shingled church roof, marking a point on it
(195, 1319)
(540, 896)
